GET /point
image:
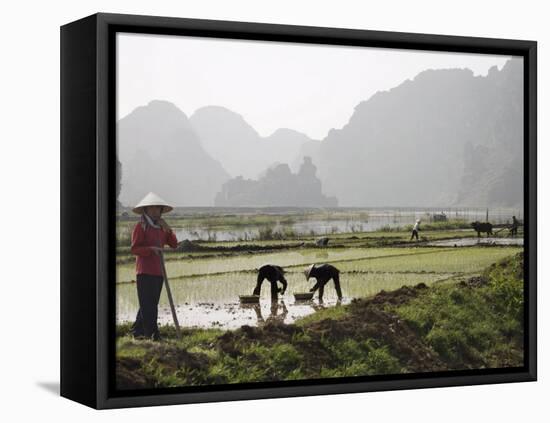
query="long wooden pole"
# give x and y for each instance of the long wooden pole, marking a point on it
(170, 299)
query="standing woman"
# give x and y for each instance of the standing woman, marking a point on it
(149, 237)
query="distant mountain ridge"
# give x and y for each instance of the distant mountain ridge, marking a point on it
(159, 151)
(234, 142)
(444, 138)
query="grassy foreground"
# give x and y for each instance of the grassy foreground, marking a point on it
(472, 324)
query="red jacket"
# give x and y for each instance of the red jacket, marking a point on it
(146, 260)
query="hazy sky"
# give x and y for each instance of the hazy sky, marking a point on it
(307, 87)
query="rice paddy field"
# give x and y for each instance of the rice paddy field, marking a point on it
(207, 274)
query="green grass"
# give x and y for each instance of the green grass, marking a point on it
(255, 361)
(474, 327)
(465, 260)
(360, 358)
(189, 266)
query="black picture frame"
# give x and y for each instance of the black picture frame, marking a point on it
(88, 207)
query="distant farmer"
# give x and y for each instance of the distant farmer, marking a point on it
(324, 273)
(273, 274)
(515, 225)
(415, 230)
(149, 237)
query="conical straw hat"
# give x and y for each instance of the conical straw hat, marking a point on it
(152, 199)
(308, 270)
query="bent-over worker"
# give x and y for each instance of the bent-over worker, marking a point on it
(273, 274)
(324, 273)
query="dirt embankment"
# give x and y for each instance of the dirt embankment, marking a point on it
(367, 319)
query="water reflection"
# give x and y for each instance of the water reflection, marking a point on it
(213, 302)
(277, 313)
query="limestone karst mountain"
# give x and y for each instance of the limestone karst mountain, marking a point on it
(230, 139)
(159, 151)
(278, 187)
(446, 137)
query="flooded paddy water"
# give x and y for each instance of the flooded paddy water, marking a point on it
(332, 222)
(467, 242)
(206, 290)
(368, 247)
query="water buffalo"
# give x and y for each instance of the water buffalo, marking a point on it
(483, 227)
(323, 273)
(273, 274)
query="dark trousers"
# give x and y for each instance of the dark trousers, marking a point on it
(320, 285)
(274, 289)
(149, 288)
(414, 234)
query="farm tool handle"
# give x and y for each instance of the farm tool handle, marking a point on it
(169, 293)
(501, 229)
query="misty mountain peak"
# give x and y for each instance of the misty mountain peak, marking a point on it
(159, 151)
(288, 134)
(212, 108)
(164, 105)
(226, 135)
(430, 74)
(222, 117)
(221, 113)
(160, 108)
(413, 135)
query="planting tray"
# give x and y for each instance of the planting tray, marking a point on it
(249, 299)
(303, 296)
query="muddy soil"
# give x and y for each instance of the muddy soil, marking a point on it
(367, 319)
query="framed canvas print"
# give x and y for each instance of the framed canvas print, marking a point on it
(255, 210)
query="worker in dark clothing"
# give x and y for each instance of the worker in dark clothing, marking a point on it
(324, 273)
(415, 230)
(273, 274)
(515, 225)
